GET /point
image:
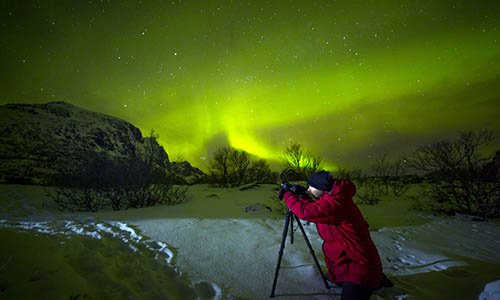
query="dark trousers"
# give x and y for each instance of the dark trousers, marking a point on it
(353, 291)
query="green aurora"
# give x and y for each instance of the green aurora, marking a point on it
(348, 80)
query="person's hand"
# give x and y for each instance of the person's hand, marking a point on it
(298, 190)
(285, 187)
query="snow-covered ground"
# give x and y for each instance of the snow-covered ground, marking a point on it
(223, 244)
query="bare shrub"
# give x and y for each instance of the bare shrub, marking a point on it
(137, 181)
(368, 189)
(343, 173)
(356, 174)
(369, 192)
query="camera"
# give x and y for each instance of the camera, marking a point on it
(294, 188)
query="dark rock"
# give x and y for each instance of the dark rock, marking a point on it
(183, 171)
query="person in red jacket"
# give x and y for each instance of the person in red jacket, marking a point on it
(351, 256)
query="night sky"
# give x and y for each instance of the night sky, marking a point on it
(348, 80)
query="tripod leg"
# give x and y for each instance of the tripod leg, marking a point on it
(291, 227)
(312, 252)
(283, 240)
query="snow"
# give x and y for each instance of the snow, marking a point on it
(491, 291)
(228, 251)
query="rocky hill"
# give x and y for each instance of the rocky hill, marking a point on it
(184, 173)
(40, 140)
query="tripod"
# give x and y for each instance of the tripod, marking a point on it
(289, 220)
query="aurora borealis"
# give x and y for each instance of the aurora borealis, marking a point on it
(348, 80)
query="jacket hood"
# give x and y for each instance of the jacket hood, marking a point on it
(343, 188)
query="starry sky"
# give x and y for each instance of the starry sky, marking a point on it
(348, 80)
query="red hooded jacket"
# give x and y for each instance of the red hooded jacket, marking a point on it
(350, 254)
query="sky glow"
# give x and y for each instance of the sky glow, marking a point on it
(348, 80)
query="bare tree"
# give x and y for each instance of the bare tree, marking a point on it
(294, 157)
(313, 164)
(219, 165)
(446, 158)
(397, 183)
(382, 168)
(302, 162)
(259, 171)
(231, 167)
(457, 172)
(389, 174)
(239, 162)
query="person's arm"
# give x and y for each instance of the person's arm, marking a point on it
(319, 211)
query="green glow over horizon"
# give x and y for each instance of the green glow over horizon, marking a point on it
(348, 80)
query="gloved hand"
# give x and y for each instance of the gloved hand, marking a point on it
(298, 190)
(285, 187)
